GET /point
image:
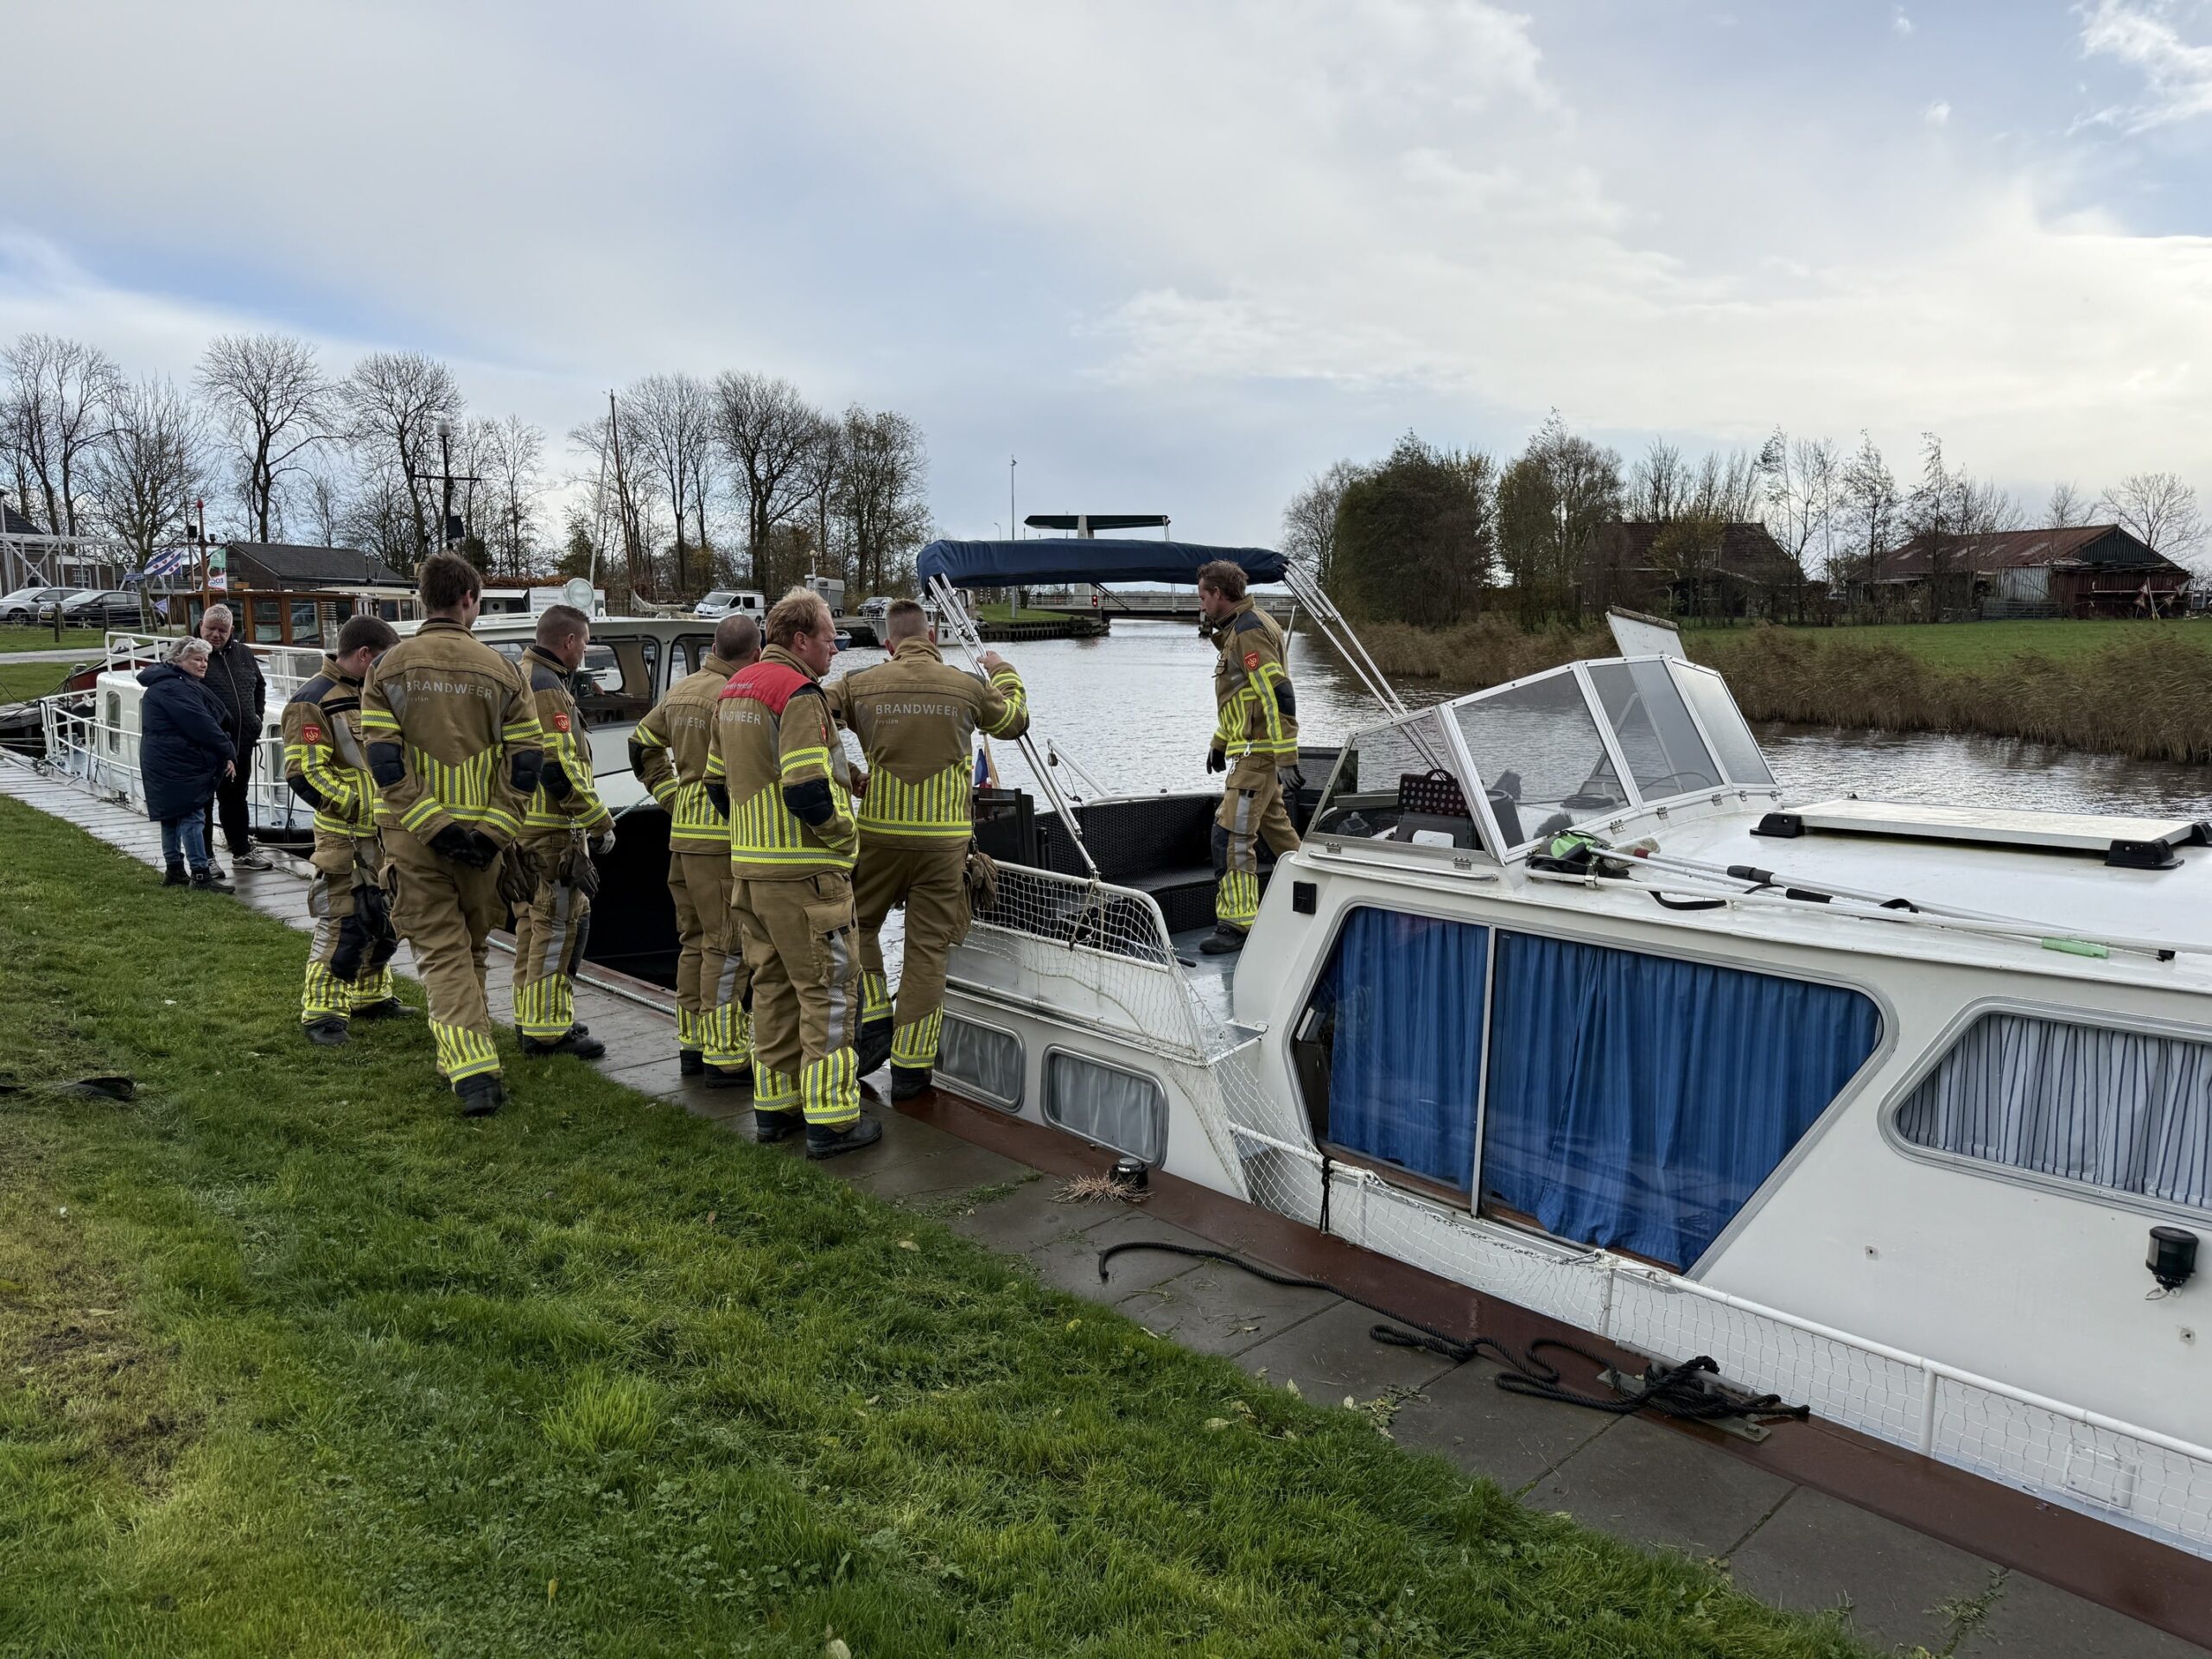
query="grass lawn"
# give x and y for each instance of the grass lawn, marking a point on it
(295, 1360)
(22, 680)
(92, 640)
(1980, 645)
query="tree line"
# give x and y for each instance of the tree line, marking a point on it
(1437, 535)
(680, 484)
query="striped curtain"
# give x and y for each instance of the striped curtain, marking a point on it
(2123, 1110)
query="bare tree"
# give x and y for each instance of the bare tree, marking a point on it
(60, 393)
(882, 496)
(621, 512)
(326, 502)
(145, 478)
(275, 405)
(668, 426)
(2069, 508)
(763, 428)
(1309, 522)
(1552, 502)
(1802, 478)
(511, 455)
(396, 401)
(1659, 485)
(821, 468)
(1870, 504)
(2159, 510)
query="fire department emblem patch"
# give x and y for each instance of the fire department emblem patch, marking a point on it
(311, 734)
(1251, 660)
(559, 722)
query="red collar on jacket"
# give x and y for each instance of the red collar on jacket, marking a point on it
(770, 681)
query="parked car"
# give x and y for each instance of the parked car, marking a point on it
(110, 607)
(27, 605)
(723, 600)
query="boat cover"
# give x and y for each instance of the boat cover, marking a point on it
(1058, 559)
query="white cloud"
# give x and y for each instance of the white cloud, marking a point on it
(2176, 73)
(1900, 25)
(1937, 114)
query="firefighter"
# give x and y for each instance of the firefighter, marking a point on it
(917, 720)
(454, 748)
(562, 826)
(669, 752)
(349, 971)
(1256, 741)
(779, 771)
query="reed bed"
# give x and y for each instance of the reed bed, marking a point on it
(2149, 697)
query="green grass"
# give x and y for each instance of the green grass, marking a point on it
(22, 680)
(295, 1360)
(1978, 647)
(78, 640)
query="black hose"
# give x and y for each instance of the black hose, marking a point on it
(1676, 1390)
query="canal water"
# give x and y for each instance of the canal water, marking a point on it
(1134, 711)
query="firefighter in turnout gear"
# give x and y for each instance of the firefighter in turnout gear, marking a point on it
(1255, 740)
(349, 972)
(564, 825)
(779, 771)
(917, 720)
(453, 746)
(669, 752)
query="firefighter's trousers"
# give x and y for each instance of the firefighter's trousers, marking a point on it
(1252, 810)
(551, 934)
(801, 948)
(446, 911)
(349, 958)
(931, 882)
(711, 982)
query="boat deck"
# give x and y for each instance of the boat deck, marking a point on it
(1769, 1514)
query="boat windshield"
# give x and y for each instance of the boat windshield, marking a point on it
(1542, 758)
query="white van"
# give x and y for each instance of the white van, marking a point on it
(725, 601)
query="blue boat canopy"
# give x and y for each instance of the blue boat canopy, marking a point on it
(1024, 564)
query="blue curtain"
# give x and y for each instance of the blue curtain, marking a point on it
(1637, 1102)
(1407, 992)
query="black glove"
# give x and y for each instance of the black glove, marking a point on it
(1216, 760)
(470, 847)
(719, 794)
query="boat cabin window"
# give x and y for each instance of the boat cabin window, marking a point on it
(690, 655)
(1732, 739)
(1637, 1102)
(1544, 764)
(2129, 1111)
(1653, 728)
(983, 1060)
(623, 672)
(1125, 1110)
(1398, 783)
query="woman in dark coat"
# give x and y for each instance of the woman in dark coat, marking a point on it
(185, 748)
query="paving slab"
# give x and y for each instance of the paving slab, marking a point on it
(905, 1166)
(1216, 1309)
(1659, 1488)
(2032, 1620)
(1071, 1263)
(1332, 1354)
(1030, 1218)
(1815, 1553)
(1509, 1438)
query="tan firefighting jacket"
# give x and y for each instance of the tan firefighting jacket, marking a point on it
(451, 735)
(670, 750)
(776, 751)
(1258, 712)
(569, 799)
(917, 720)
(324, 761)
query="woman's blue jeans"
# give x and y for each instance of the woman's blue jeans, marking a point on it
(184, 841)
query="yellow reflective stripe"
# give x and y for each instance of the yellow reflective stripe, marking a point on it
(799, 759)
(521, 731)
(376, 719)
(940, 804)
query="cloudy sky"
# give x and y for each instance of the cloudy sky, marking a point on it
(1174, 257)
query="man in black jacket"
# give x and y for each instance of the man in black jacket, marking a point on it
(234, 676)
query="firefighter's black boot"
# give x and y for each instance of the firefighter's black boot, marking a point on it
(768, 1127)
(481, 1095)
(328, 1031)
(691, 1062)
(575, 1040)
(1222, 941)
(907, 1081)
(389, 1008)
(828, 1143)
